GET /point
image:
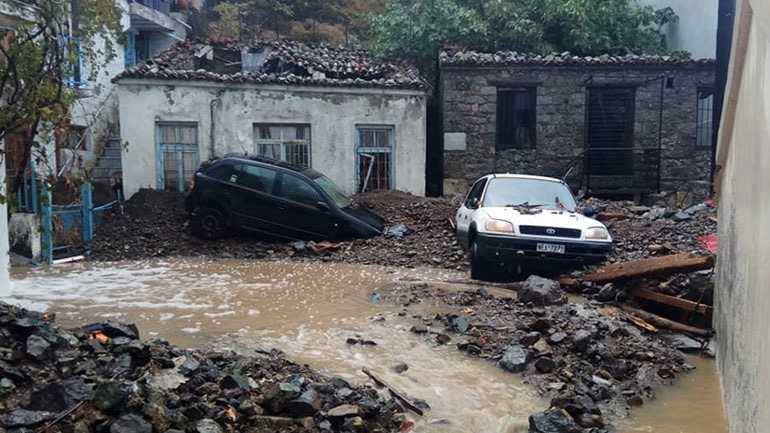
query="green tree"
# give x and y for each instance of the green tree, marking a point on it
(419, 28)
(42, 57)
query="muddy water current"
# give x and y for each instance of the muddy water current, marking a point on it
(309, 311)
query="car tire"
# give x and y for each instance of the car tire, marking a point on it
(209, 223)
(481, 269)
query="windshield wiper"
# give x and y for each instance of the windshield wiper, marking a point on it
(525, 205)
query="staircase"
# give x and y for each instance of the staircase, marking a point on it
(108, 164)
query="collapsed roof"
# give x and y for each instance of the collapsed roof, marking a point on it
(275, 62)
(454, 57)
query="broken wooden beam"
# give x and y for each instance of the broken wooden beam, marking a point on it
(401, 397)
(673, 301)
(662, 322)
(651, 268)
(611, 216)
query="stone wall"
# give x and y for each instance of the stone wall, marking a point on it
(469, 100)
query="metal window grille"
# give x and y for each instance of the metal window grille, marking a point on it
(704, 117)
(178, 150)
(375, 165)
(290, 143)
(516, 118)
(610, 130)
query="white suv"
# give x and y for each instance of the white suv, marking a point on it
(516, 219)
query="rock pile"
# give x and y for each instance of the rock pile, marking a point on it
(591, 362)
(103, 378)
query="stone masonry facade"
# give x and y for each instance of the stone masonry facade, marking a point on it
(469, 92)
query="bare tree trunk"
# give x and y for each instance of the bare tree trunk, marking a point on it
(30, 142)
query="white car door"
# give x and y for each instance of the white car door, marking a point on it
(467, 210)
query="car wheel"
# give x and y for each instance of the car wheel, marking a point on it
(209, 223)
(480, 269)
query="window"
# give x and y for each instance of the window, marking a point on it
(296, 189)
(178, 155)
(257, 178)
(516, 118)
(475, 193)
(704, 118)
(374, 151)
(290, 143)
(73, 47)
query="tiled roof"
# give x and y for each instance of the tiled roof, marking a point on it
(449, 58)
(276, 62)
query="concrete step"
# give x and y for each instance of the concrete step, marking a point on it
(112, 152)
(109, 162)
(104, 172)
(114, 142)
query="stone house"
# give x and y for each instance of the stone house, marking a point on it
(335, 109)
(611, 125)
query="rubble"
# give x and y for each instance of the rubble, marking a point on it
(588, 363)
(73, 386)
(154, 224)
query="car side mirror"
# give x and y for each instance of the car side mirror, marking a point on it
(474, 204)
(322, 205)
(588, 211)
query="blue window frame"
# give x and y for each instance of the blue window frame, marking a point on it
(375, 157)
(177, 154)
(129, 56)
(72, 45)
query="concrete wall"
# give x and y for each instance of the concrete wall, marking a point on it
(742, 303)
(24, 235)
(333, 114)
(696, 30)
(469, 105)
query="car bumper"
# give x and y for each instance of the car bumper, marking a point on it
(504, 248)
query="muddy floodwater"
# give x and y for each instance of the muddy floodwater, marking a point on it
(309, 310)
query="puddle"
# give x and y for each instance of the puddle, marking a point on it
(309, 310)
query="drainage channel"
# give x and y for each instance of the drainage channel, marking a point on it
(309, 311)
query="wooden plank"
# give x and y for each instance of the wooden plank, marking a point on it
(684, 304)
(662, 322)
(611, 216)
(650, 268)
(404, 399)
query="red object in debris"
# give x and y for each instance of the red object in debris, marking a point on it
(99, 335)
(709, 242)
(709, 202)
(406, 427)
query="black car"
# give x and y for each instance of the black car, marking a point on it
(275, 199)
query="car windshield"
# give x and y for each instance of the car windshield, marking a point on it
(339, 198)
(529, 193)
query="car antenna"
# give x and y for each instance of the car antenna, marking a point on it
(564, 178)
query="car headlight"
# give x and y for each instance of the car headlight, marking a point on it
(498, 226)
(597, 233)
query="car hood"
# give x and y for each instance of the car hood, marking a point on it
(366, 216)
(542, 218)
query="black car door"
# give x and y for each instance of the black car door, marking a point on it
(299, 213)
(253, 204)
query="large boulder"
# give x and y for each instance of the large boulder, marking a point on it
(515, 358)
(541, 291)
(553, 421)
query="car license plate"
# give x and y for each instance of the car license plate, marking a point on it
(550, 248)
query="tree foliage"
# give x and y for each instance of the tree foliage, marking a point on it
(418, 29)
(52, 41)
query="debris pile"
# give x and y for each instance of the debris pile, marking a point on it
(590, 360)
(154, 224)
(103, 378)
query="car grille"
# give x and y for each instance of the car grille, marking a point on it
(550, 231)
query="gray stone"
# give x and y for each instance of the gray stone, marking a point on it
(681, 216)
(344, 411)
(607, 293)
(400, 367)
(207, 425)
(419, 329)
(233, 381)
(553, 421)
(531, 338)
(109, 397)
(545, 365)
(25, 418)
(306, 405)
(515, 359)
(279, 396)
(581, 340)
(557, 337)
(131, 424)
(60, 396)
(460, 324)
(37, 346)
(541, 291)
(167, 380)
